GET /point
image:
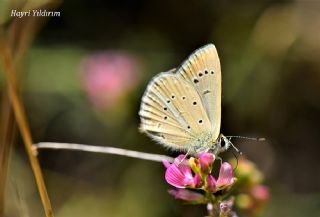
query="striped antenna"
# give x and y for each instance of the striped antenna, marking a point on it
(259, 139)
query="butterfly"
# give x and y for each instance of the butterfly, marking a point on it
(181, 108)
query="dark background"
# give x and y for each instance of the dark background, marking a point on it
(269, 52)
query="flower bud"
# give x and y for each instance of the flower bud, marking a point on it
(187, 195)
(211, 183)
(206, 159)
(244, 201)
(225, 178)
(194, 164)
(226, 207)
(197, 180)
(260, 192)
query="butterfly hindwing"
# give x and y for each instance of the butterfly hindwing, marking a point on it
(172, 112)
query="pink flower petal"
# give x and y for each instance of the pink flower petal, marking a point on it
(179, 173)
(211, 183)
(183, 165)
(197, 180)
(184, 194)
(166, 163)
(225, 176)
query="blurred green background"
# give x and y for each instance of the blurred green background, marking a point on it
(84, 75)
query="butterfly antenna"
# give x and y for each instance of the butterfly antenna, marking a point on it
(260, 139)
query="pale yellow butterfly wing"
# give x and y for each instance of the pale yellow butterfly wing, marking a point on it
(183, 109)
(172, 112)
(202, 69)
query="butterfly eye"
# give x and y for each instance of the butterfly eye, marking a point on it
(194, 103)
(200, 121)
(206, 72)
(195, 81)
(172, 96)
(212, 72)
(222, 143)
(165, 108)
(200, 74)
(183, 97)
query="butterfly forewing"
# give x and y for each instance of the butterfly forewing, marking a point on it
(182, 109)
(202, 69)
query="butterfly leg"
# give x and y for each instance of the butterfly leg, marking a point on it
(229, 143)
(185, 156)
(220, 159)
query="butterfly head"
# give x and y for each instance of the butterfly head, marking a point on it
(221, 145)
(224, 143)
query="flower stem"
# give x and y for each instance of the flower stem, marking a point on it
(105, 150)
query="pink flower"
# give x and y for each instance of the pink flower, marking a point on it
(211, 183)
(226, 208)
(195, 174)
(260, 192)
(187, 195)
(206, 160)
(179, 174)
(108, 75)
(226, 177)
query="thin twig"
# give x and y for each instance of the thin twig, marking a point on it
(105, 150)
(19, 112)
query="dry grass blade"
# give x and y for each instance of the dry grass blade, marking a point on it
(19, 113)
(7, 131)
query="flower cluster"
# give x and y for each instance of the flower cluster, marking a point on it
(194, 182)
(251, 195)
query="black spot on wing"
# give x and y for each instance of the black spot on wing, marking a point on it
(206, 92)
